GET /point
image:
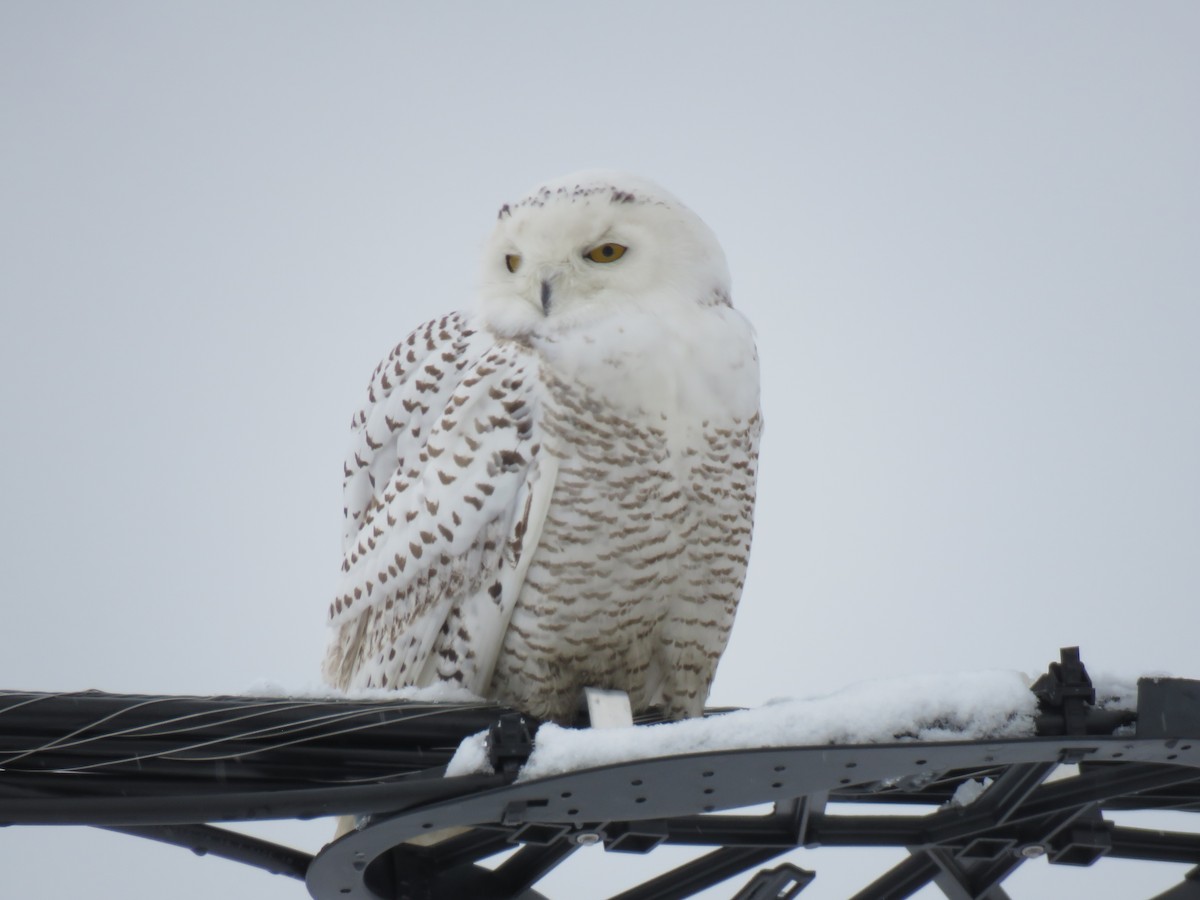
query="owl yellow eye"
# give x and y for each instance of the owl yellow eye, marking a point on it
(606, 253)
(512, 262)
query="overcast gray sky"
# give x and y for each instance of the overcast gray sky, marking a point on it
(968, 236)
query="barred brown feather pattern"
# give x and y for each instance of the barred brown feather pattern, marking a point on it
(640, 566)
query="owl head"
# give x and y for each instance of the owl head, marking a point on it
(594, 245)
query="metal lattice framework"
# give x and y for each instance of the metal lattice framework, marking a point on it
(166, 768)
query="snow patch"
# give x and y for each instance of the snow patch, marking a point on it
(1116, 692)
(970, 706)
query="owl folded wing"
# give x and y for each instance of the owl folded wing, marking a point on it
(446, 487)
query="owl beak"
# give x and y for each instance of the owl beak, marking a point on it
(546, 297)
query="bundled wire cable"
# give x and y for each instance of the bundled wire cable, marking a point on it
(98, 758)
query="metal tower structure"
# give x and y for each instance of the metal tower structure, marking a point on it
(168, 768)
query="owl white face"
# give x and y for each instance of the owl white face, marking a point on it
(592, 245)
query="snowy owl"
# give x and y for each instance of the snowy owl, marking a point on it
(555, 491)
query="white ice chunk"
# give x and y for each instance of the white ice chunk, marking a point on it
(969, 791)
(471, 757)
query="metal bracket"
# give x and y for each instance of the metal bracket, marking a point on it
(509, 744)
(1067, 691)
(783, 882)
(1168, 708)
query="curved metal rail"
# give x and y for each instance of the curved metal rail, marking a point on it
(166, 767)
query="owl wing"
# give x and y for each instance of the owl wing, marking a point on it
(446, 489)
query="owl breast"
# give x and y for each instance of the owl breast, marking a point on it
(635, 579)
